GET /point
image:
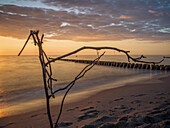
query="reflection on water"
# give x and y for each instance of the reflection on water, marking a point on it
(21, 86)
(1, 115)
(2, 107)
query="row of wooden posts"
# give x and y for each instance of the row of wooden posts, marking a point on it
(123, 64)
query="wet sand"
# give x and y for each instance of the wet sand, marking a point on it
(144, 104)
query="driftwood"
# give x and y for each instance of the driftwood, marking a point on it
(47, 70)
(110, 48)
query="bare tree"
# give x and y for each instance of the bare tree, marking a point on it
(47, 70)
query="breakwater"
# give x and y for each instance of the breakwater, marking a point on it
(123, 64)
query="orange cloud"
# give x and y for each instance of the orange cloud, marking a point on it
(125, 17)
(151, 11)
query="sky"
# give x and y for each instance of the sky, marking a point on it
(139, 26)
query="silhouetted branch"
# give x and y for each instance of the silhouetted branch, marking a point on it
(77, 75)
(49, 81)
(142, 56)
(149, 62)
(24, 44)
(100, 48)
(71, 84)
(83, 48)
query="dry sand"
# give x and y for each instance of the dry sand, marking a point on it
(144, 104)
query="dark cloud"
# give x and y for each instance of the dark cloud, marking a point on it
(89, 20)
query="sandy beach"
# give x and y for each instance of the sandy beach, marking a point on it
(143, 104)
(104, 63)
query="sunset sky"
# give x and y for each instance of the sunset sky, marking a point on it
(141, 26)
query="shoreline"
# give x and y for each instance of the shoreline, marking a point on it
(88, 89)
(133, 100)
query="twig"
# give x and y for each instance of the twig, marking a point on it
(24, 44)
(142, 56)
(71, 84)
(75, 77)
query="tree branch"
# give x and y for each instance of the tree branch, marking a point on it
(76, 76)
(100, 48)
(71, 84)
(24, 45)
(142, 56)
(83, 48)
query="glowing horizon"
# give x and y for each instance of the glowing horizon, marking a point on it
(59, 47)
(141, 27)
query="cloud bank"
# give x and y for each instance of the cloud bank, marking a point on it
(87, 20)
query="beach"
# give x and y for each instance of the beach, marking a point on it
(84, 64)
(142, 104)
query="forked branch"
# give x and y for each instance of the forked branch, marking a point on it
(71, 84)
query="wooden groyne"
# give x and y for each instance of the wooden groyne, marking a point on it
(123, 64)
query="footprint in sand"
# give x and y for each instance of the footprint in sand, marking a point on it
(135, 102)
(154, 112)
(150, 102)
(161, 108)
(85, 109)
(125, 118)
(84, 117)
(112, 112)
(98, 101)
(128, 110)
(160, 94)
(121, 107)
(119, 99)
(139, 95)
(35, 115)
(103, 120)
(157, 102)
(88, 114)
(91, 111)
(161, 97)
(72, 109)
(167, 101)
(65, 124)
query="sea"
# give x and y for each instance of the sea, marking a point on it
(21, 81)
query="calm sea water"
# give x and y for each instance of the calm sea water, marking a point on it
(21, 87)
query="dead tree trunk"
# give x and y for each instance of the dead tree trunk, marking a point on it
(41, 58)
